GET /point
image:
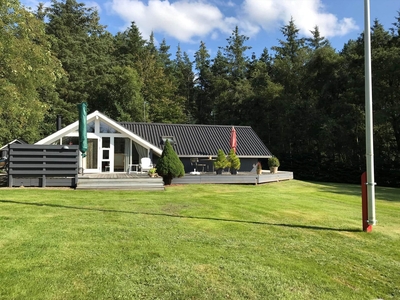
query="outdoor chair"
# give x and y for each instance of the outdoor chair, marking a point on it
(145, 164)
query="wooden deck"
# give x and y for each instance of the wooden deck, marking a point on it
(138, 181)
(141, 181)
(240, 178)
(119, 181)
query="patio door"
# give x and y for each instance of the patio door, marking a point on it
(121, 154)
(91, 160)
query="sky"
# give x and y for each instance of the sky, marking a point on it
(187, 22)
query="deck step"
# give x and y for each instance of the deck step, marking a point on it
(148, 184)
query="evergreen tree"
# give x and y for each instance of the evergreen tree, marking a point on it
(165, 57)
(83, 47)
(288, 70)
(119, 95)
(233, 161)
(169, 165)
(259, 110)
(203, 108)
(129, 46)
(232, 94)
(316, 41)
(158, 90)
(184, 77)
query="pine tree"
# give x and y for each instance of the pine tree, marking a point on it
(184, 78)
(232, 86)
(202, 91)
(317, 41)
(82, 45)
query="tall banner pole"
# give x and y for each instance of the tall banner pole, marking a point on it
(368, 117)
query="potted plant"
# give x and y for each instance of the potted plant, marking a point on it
(273, 164)
(221, 162)
(259, 168)
(234, 162)
(152, 172)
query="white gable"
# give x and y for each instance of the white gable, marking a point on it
(99, 116)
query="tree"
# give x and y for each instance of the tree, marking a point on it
(288, 70)
(184, 78)
(231, 86)
(233, 161)
(119, 94)
(221, 162)
(27, 68)
(316, 41)
(259, 110)
(129, 46)
(203, 101)
(82, 45)
(165, 57)
(169, 165)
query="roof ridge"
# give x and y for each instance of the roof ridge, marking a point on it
(173, 124)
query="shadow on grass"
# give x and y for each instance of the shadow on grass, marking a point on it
(381, 193)
(180, 216)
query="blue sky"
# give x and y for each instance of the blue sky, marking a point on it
(187, 22)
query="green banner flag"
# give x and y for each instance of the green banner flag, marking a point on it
(83, 144)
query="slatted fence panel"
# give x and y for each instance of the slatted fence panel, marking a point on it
(42, 165)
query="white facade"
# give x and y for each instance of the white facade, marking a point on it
(111, 147)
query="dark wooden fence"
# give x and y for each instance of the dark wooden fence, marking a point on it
(43, 165)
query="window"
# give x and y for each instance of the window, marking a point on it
(70, 140)
(90, 127)
(105, 128)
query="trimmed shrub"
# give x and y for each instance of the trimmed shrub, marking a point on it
(169, 165)
(273, 162)
(221, 162)
(233, 159)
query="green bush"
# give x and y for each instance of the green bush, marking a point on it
(233, 159)
(221, 162)
(169, 165)
(273, 162)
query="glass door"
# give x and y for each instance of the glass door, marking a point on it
(106, 159)
(121, 154)
(91, 160)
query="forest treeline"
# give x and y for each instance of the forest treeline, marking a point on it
(304, 99)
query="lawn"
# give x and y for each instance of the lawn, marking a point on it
(286, 240)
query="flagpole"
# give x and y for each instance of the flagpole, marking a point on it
(368, 117)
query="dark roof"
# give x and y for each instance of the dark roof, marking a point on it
(201, 140)
(16, 141)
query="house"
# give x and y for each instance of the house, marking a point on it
(119, 146)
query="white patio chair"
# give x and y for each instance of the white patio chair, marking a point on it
(145, 164)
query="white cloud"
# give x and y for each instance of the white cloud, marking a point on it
(181, 19)
(270, 14)
(191, 20)
(230, 4)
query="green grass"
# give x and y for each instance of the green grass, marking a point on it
(287, 240)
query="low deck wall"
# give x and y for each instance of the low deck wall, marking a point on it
(244, 178)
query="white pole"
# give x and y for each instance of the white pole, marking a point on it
(368, 117)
